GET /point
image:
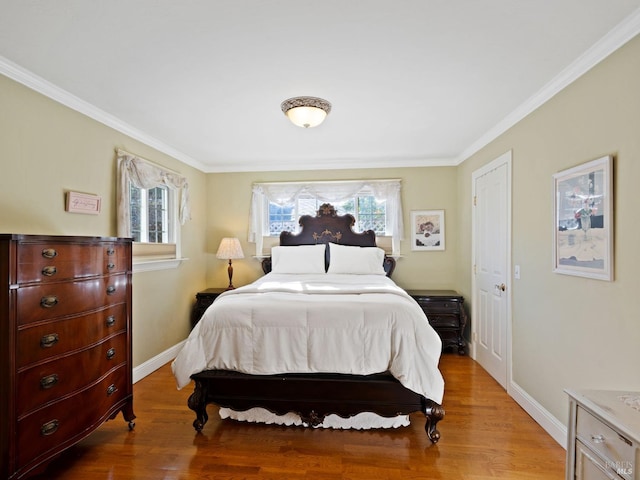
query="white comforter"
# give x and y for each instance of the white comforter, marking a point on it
(284, 323)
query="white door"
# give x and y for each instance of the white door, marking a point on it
(491, 267)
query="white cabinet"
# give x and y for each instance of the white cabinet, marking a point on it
(603, 435)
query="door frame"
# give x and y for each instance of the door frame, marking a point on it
(504, 159)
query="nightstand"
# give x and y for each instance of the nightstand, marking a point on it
(446, 314)
(203, 300)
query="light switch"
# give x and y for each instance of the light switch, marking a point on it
(516, 272)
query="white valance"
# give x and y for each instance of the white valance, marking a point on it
(286, 193)
(144, 174)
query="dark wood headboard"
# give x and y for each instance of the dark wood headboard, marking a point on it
(329, 227)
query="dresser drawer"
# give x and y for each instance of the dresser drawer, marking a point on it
(41, 341)
(41, 302)
(48, 428)
(48, 262)
(612, 447)
(43, 383)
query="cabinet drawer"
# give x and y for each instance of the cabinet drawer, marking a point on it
(443, 321)
(47, 262)
(48, 428)
(589, 466)
(611, 446)
(41, 341)
(438, 306)
(44, 383)
(41, 302)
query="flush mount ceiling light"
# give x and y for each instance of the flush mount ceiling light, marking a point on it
(306, 111)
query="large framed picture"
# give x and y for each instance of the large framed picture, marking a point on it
(427, 230)
(583, 220)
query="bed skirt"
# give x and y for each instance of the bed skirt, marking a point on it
(361, 421)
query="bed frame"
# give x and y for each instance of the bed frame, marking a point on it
(313, 396)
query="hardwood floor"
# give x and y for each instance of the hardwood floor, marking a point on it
(485, 435)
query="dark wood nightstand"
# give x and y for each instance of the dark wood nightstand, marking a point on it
(203, 300)
(446, 314)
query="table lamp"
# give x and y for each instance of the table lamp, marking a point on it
(230, 249)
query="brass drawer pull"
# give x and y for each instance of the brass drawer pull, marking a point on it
(49, 271)
(48, 381)
(111, 290)
(111, 353)
(49, 428)
(110, 251)
(111, 266)
(111, 321)
(111, 390)
(49, 253)
(49, 340)
(49, 301)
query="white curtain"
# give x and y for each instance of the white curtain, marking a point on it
(144, 174)
(331, 192)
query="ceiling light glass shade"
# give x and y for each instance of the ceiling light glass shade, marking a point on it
(306, 112)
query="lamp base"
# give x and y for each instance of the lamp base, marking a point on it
(230, 271)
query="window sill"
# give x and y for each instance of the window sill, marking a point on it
(148, 265)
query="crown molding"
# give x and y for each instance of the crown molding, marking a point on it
(272, 165)
(612, 41)
(48, 89)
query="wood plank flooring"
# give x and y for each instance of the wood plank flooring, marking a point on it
(485, 435)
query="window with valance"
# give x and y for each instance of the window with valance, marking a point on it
(376, 205)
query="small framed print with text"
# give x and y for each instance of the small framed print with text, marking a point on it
(83, 203)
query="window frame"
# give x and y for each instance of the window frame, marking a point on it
(160, 255)
(363, 193)
(149, 256)
(331, 191)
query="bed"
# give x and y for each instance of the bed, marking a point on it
(315, 338)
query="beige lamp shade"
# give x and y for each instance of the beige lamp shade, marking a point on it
(229, 249)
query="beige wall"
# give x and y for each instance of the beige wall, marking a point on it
(48, 149)
(229, 197)
(570, 331)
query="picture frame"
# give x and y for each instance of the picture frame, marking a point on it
(427, 230)
(83, 203)
(583, 220)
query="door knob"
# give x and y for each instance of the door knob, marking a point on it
(502, 287)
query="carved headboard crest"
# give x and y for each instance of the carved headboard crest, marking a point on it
(327, 210)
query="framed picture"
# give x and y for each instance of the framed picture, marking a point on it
(83, 203)
(427, 230)
(583, 220)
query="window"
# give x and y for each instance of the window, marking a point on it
(150, 214)
(370, 214)
(375, 204)
(152, 203)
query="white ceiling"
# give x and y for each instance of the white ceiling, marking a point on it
(412, 82)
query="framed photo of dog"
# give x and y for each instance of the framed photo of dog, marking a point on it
(427, 230)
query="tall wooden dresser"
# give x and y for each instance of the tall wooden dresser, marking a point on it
(65, 344)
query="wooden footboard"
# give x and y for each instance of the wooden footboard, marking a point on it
(311, 396)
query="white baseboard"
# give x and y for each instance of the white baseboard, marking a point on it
(548, 422)
(156, 362)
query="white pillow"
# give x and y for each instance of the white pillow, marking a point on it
(356, 260)
(298, 259)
